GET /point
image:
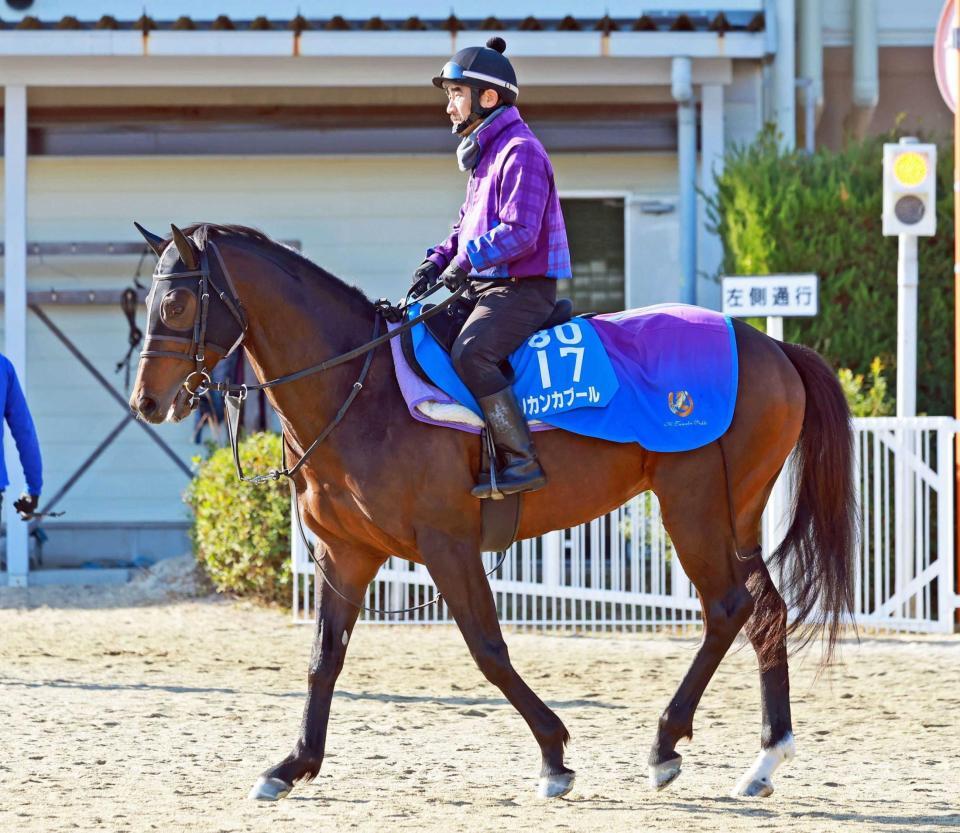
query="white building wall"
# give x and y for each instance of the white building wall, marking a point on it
(365, 219)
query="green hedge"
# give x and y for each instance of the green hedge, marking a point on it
(785, 211)
(241, 532)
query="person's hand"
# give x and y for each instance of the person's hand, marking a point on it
(425, 276)
(26, 505)
(453, 277)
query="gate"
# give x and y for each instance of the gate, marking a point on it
(620, 572)
(905, 576)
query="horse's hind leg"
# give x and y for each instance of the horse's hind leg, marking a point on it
(724, 613)
(767, 630)
(456, 568)
(698, 524)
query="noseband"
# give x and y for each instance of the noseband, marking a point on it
(197, 345)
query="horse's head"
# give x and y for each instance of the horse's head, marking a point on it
(194, 319)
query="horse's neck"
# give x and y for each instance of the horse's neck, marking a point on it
(296, 321)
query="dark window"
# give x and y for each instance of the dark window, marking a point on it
(595, 234)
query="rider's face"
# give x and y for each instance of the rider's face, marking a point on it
(458, 102)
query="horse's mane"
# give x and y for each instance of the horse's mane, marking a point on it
(286, 256)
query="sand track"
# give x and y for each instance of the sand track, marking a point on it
(119, 714)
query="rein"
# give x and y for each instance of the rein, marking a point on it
(234, 395)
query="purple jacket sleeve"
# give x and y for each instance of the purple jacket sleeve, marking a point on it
(524, 192)
(443, 253)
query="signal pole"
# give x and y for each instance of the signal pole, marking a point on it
(907, 280)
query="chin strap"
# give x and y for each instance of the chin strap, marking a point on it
(460, 126)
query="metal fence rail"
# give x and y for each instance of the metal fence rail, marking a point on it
(620, 572)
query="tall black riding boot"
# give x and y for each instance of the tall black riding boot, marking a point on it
(520, 470)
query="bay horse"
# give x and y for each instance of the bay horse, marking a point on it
(364, 504)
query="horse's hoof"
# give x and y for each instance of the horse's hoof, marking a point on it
(757, 788)
(758, 781)
(555, 786)
(664, 774)
(270, 789)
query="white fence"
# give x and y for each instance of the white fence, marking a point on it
(620, 571)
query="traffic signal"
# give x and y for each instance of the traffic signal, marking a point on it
(910, 189)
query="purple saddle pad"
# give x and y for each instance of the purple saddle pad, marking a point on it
(678, 373)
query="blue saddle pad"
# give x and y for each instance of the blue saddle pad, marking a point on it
(664, 377)
(556, 371)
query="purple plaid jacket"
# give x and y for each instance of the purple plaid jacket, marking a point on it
(510, 225)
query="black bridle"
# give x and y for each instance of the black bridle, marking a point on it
(197, 345)
(234, 395)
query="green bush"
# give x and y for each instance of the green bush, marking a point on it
(785, 211)
(866, 401)
(241, 532)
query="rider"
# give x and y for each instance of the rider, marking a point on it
(509, 244)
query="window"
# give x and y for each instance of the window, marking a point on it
(597, 254)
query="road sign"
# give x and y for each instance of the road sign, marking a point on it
(780, 296)
(909, 188)
(945, 57)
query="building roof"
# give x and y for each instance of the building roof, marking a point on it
(719, 21)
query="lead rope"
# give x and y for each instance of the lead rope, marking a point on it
(128, 303)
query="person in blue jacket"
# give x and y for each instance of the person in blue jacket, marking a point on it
(17, 415)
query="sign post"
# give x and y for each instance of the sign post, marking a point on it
(775, 297)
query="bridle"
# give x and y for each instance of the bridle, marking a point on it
(234, 395)
(197, 345)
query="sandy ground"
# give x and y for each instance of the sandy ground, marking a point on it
(122, 710)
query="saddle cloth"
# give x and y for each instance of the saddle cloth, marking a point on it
(668, 379)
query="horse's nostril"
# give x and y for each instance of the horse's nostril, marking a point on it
(146, 406)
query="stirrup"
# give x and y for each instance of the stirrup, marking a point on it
(486, 487)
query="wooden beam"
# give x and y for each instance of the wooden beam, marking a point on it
(79, 297)
(94, 249)
(69, 249)
(319, 116)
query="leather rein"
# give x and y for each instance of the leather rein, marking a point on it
(234, 395)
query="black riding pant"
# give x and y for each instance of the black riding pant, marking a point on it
(508, 312)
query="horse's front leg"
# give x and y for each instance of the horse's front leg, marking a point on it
(455, 566)
(350, 572)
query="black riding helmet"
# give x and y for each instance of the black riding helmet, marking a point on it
(481, 68)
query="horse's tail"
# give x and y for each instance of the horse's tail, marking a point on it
(817, 555)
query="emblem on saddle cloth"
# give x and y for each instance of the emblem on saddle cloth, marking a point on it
(680, 403)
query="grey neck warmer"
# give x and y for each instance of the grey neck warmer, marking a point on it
(468, 152)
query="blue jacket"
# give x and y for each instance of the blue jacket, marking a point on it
(17, 414)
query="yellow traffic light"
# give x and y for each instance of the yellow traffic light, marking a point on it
(910, 189)
(910, 168)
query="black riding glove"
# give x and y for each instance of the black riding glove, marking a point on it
(425, 276)
(26, 505)
(453, 277)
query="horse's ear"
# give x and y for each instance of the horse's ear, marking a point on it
(155, 242)
(187, 249)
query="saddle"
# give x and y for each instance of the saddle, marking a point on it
(446, 327)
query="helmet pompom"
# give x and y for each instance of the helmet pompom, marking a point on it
(498, 44)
